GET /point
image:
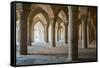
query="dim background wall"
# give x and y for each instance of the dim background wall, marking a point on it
(5, 34)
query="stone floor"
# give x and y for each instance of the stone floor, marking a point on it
(40, 59)
(45, 54)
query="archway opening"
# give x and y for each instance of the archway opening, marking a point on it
(38, 29)
(38, 35)
(62, 27)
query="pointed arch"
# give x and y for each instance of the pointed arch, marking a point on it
(38, 32)
(62, 15)
(35, 12)
(40, 17)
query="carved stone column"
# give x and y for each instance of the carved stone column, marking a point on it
(23, 34)
(23, 28)
(73, 33)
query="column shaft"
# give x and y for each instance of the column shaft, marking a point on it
(57, 34)
(84, 32)
(23, 34)
(29, 36)
(66, 33)
(60, 34)
(88, 35)
(53, 35)
(32, 38)
(23, 28)
(46, 34)
(73, 33)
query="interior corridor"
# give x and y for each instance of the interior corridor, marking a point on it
(47, 34)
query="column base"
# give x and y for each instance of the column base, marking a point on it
(72, 59)
(23, 53)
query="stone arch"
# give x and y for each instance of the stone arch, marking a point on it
(40, 17)
(38, 27)
(48, 9)
(64, 22)
(45, 7)
(32, 14)
(38, 20)
(57, 25)
(35, 12)
(62, 15)
(62, 31)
